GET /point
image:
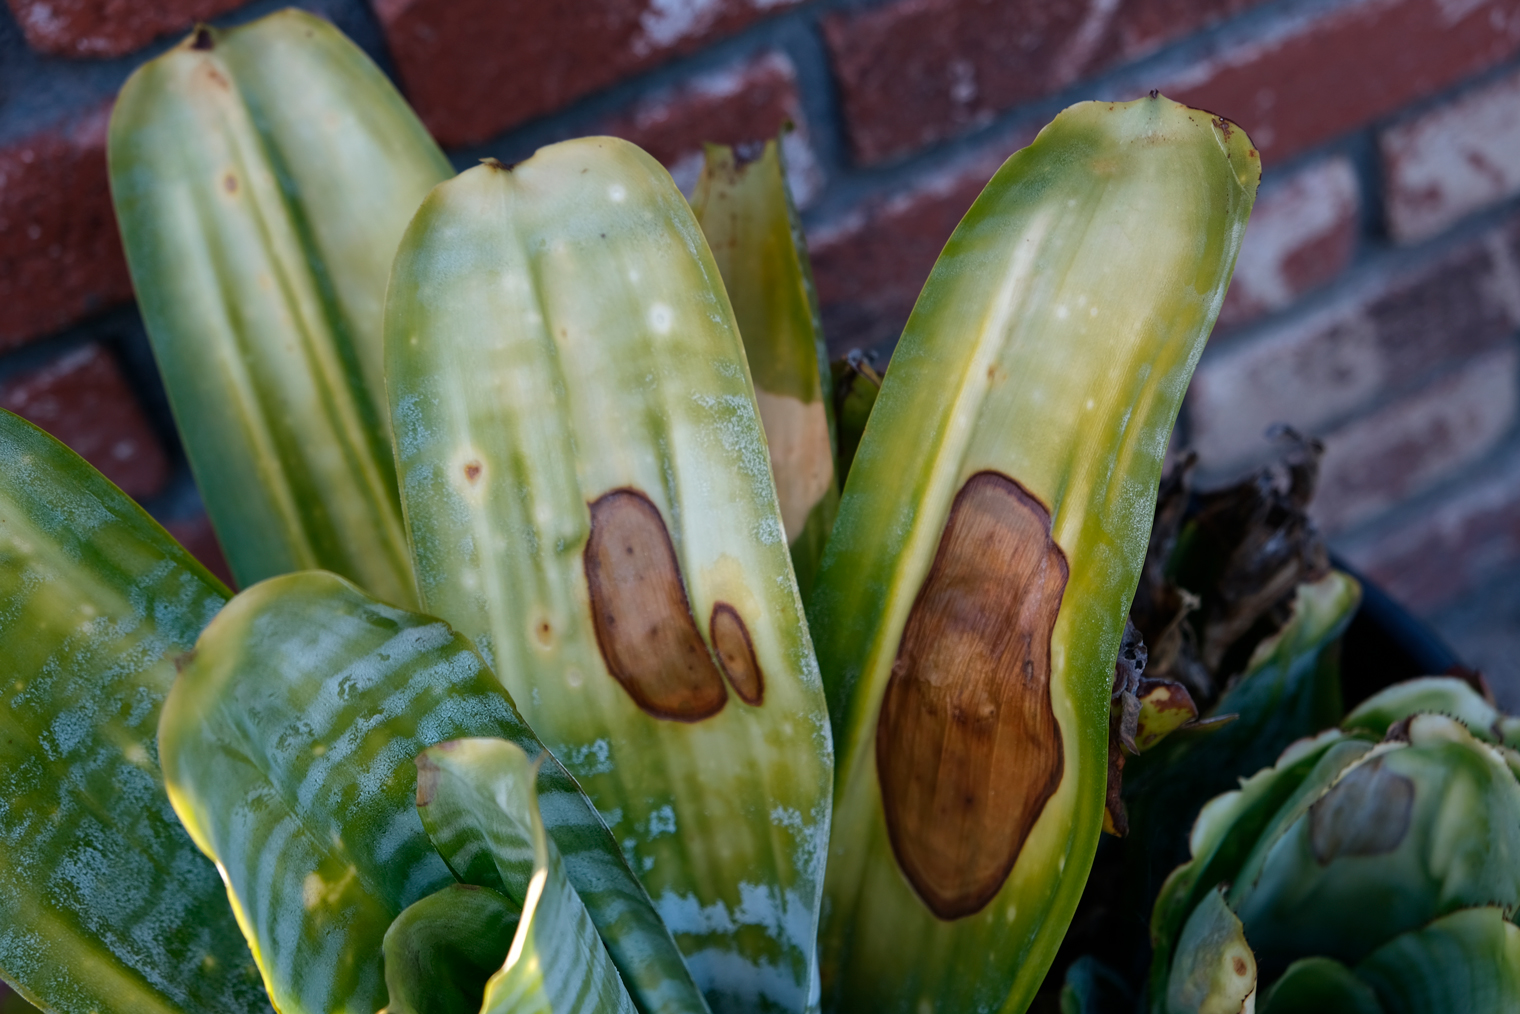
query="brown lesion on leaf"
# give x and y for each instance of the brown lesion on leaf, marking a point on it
(968, 750)
(643, 621)
(736, 653)
(230, 183)
(472, 470)
(1366, 813)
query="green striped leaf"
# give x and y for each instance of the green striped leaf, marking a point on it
(488, 848)
(557, 964)
(287, 746)
(990, 536)
(746, 212)
(105, 904)
(441, 950)
(589, 500)
(262, 178)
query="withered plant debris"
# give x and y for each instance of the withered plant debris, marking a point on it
(1219, 577)
(1222, 567)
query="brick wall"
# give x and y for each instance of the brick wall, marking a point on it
(1376, 303)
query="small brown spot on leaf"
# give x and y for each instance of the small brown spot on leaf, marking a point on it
(642, 617)
(967, 747)
(736, 653)
(472, 471)
(427, 780)
(1366, 813)
(230, 183)
(182, 660)
(1239, 964)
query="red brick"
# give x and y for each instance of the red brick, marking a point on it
(870, 264)
(749, 101)
(1437, 554)
(1381, 335)
(1453, 160)
(913, 72)
(104, 28)
(196, 535)
(473, 68)
(1373, 463)
(1318, 76)
(82, 399)
(1303, 233)
(60, 254)
(1140, 27)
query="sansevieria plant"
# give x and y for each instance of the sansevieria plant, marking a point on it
(553, 737)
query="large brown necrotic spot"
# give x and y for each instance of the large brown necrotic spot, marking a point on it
(736, 653)
(639, 608)
(967, 746)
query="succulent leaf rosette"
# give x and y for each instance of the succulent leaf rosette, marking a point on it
(1374, 868)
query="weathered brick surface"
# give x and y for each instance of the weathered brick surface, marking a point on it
(1381, 336)
(105, 28)
(871, 264)
(913, 72)
(1452, 160)
(473, 68)
(1405, 447)
(82, 399)
(196, 535)
(1468, 537)
(1318, 76)
(749, 101)
(60, 255)
(1303, 233)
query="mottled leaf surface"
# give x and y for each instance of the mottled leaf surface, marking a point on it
(586, 488)
(751, 225)
(557, 964)
(105, 903)
(1051, 345)
(288, 746)
(491, 846)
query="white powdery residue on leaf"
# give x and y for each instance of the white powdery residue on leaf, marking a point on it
(401, 828)
(752, 984)
(588, 759)
(69, 729)
(812, 837)
(685, 913)
(24, 953)
(662, 822)
(411, 428)
(786, 916)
